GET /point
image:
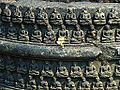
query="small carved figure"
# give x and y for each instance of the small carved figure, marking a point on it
(29, 16)
(117, 34)
(76, 71)
(111, 84)
(77, 35)
(70, 17)
(2, 64)
(85, 85)
(107, 34)
(91, 71)
(56, 18)
(12, 32)
(20, 81)
(49, 37)
(70, 85)
(91, 35)
(99, 17)
(105, 70)
(62, 71)
(6, 14)
(22, 67)
(85, 17)
(10, 65)
(17, 15)
(9, 79)
(113, 17)
(36, 35)
(41, 17)
(98, 85)
(117, 69)
(63, 36)
(34, 68)
(56, 85)
(43, 84)
(47, 71)
(31, 84)
(23, 34)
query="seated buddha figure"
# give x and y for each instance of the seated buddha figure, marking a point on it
(117, 34)
(62, 71)
(111, 84)
(41, 17)
(77, 36)
(43, 84)
(85, 17)
(9, 78)
(17, 15)
(56, 85)
(70, 17)
(56, 18)
(91, 35)
(63, 35)
(36, 35)
(99, 17)
(91, 71)
(49, 37)
(12, 33)
(113, 17)
(47, 71)
(70, 85)
(117, 69)
(31, 84)
(29, 16)
(34, 68)
(22, 67)
(76, 71)
(107, 34)
(85, 85)
(105, 70)
(20, 82)
(98, 85)
(10, 65)
(23, 34)
(6, 14)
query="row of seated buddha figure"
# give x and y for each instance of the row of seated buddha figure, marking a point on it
(105, 35)
(67, 84)
(105, 71)
(71, 85)
(40, 16)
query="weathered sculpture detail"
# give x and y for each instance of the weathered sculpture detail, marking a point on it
(36, 35)
(85, 17)
(91, 71)
(105, 70)
(76, 71)
(70, 17)
(99, 17)
(49, 36)
(108, 34)
(17, 15)
(70, 85)
(56, 18)
(77, 36)
(6, 14)
(31, 35)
